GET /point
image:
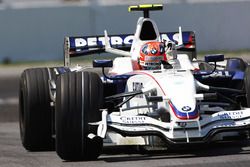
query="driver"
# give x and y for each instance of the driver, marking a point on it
(151, 55)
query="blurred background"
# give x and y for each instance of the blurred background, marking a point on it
(32, 34)
(34, 30)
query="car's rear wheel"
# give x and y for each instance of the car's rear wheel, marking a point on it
(79, 96)
(35, 112)
(247, 86)
(235, 64)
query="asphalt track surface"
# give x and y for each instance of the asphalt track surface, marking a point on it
(12, 154)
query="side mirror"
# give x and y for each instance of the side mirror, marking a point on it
(102, 63)
(214, 58)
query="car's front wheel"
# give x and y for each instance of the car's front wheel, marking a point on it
(79, 96)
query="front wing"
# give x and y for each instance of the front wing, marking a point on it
(200, 131)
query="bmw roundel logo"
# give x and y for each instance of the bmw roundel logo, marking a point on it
(153, 51)
(186, 108)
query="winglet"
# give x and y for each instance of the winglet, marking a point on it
(109, 49)
(180, 40)
(107, 44)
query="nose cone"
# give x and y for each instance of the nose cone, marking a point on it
(184, 112)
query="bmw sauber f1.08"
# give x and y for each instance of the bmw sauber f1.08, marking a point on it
(155, 94)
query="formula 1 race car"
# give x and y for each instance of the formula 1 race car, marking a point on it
(156, 94)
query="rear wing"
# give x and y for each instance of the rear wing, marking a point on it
(86, 45)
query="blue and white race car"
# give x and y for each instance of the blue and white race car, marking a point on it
(154, 94)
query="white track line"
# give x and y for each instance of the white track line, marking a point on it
(9, 101)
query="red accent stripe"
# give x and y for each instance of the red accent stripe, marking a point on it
(182, 118)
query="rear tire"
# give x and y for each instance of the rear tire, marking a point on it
(79, 97)
(235, 64)
(35, 112)
(247, 86)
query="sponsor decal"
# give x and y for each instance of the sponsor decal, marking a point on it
(218, 74)
(153, 58)
(137, 86)
(186, 108)
(119, 40)
(133, 119)
(225, 125)
(153, 51)
(100, 41)
(231, 115)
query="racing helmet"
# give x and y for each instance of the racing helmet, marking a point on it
(151, 55)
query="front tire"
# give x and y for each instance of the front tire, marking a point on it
(79, 97)
(35, 112)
